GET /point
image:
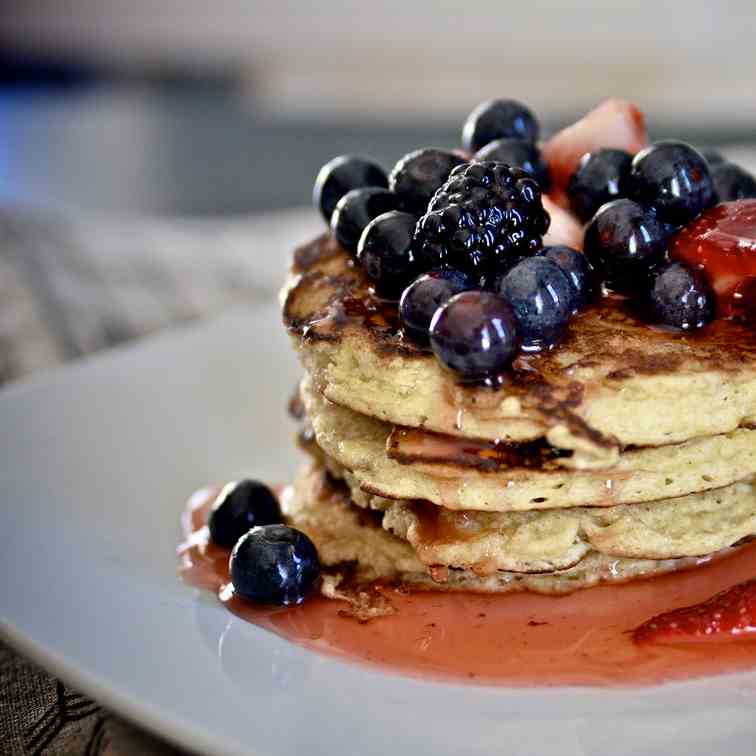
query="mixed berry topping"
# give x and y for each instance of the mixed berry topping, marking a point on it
(579, 272)
(475, 334)
(613, 124)
(464, 239)
(721, 244)
(425, 295)
(355, 210)
(673, 178)
(241, 505)
(386, 252)
(731, 182)
(542, 300)
(518, 153)
(498, 119)
(601, 177)
(626, 242)
(418, 175)
(730, 614)
(681, 297)
(341, 175)
(713, 157)
(482, 220)
(274, 564)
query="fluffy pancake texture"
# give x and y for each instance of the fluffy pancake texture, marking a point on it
(361, 445)
(624, 452)
(352, 542)
(612, 383)
(543, 540)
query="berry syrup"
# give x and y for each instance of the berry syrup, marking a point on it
(522, 639)
(722, 243)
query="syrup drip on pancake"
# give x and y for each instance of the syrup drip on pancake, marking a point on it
(331, 298)
(410, 445)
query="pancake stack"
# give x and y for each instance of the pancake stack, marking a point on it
(626, 451)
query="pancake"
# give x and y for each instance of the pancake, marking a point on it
(613, 382)
(352, 544)
(485, 542)
(537, 541)
(359, 444)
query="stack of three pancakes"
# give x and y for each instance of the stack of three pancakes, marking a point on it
(623, 452)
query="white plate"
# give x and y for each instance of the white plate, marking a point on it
(95, 463)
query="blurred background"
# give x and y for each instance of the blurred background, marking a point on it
(151, 152)
(203, 108)
(157, 157)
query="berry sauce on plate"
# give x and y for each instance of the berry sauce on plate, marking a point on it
(585, 638)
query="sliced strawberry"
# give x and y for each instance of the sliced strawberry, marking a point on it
(722, 243)
(564, 228)
(614, 123)
(730, 614)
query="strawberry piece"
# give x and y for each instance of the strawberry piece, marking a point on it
(722, 243)
(614, 123)
(565, 228)
(730, 614)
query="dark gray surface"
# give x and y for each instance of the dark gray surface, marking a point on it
(145, 153)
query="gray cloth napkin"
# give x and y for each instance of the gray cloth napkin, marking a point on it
(71, 286)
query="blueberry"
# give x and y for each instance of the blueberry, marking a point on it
(475, 334)
(417, 176)
(713, 157)
(385, 252)
(578, 270)
(732, 182)
(340, 175)
(425, 295)
(355, 210)
(274, 564)
(240, 506)
(681, 298)
(542, 299)
(625, 243)
(518, 153)
(601, 176)
(674, 178)
(498, 119)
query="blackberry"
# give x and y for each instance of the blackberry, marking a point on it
(482, 221)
